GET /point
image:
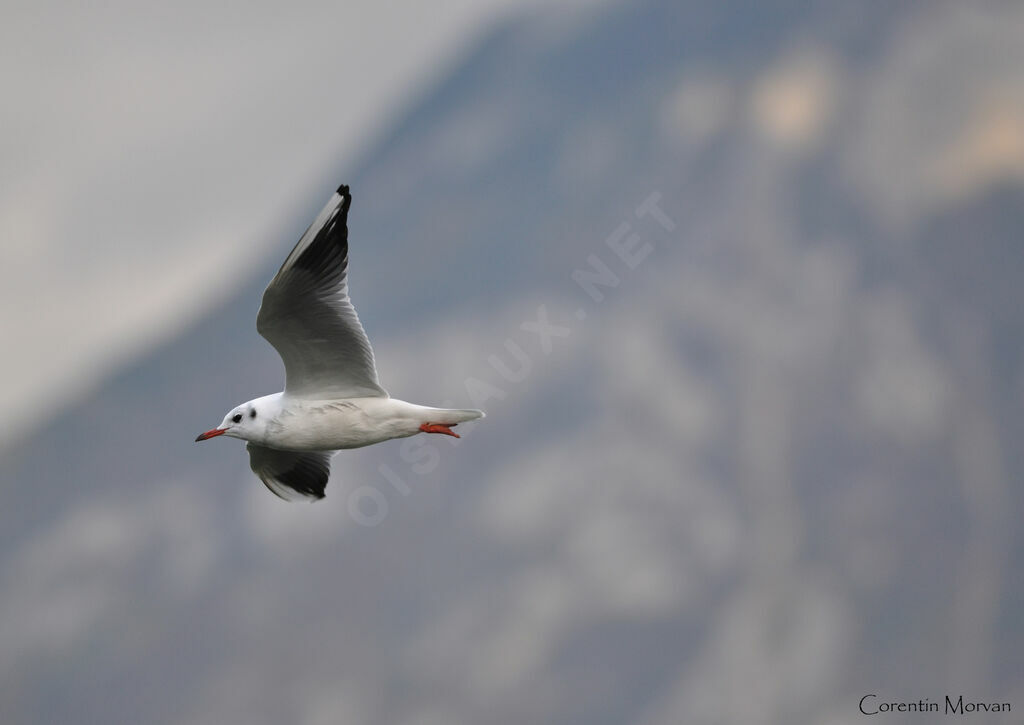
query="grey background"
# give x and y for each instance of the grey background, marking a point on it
(774, 469)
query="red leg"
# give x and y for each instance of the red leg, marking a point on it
(445, 428)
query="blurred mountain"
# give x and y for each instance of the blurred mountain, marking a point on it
(761, 458)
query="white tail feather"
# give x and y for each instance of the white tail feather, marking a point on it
(457, 415)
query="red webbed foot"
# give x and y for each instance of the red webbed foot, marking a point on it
(445, 428)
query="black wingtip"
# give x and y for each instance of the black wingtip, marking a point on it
(346, 197)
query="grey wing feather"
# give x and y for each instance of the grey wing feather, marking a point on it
(291, 475)
(308, 317)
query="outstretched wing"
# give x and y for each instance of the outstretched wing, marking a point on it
(308, 317)
(291, 474)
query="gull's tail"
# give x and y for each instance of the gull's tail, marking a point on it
(457, 415)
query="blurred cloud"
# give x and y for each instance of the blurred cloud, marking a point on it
(904, 391)
(991, 148)
(72, 580)
(699, 106)
(942, 111)
(154, 158)
(767, 653)
(793, 100)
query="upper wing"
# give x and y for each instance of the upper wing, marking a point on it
(307, 315)
(291, 474)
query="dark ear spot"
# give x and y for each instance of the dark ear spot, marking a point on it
(252, 413)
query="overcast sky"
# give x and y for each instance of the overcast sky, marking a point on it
(152, 153)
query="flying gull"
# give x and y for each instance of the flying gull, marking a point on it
(332, 399)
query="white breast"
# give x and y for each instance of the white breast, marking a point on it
(311, 425)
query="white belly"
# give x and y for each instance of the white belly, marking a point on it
(314, 425)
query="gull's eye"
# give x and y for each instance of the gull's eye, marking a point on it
(237, 417)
